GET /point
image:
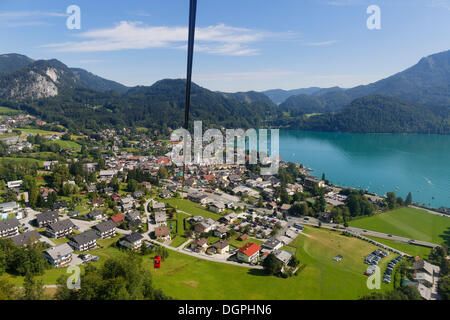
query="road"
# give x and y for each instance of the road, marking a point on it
(364, 232)
(431, 211)
(204, 256)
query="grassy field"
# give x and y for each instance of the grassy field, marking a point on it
(410, 223)
(186, 277)
(8, 111)
(40, 132)
(192, 208)
(39, 162)
(180, 231)
(67, 144)
(407, 248)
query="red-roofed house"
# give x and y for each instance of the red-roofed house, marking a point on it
(163, 161)
(249, 253)
(118, 218)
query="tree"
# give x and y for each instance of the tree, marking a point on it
(33, 290)
(391, 199)
(162, 173)
(408, 200)
(272, 265)
(7, 291)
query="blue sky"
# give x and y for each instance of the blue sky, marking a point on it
(240, 45)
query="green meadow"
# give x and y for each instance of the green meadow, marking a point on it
(410, 223)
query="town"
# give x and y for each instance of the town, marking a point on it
(78, 196)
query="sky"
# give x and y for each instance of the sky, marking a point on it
(241, 45)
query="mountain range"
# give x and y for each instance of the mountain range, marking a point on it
(414, 100)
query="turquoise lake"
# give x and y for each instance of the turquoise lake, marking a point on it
(380, 163)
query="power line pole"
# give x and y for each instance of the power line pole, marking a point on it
(192, 16)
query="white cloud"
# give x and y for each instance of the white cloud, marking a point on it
(12, 19)
(321, 44)
(218, 39)
(269, 74)
(445, 4)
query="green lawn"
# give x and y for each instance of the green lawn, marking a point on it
(239, 244)
(40, 132)
(8, 111)
(406, 248)
(192, 208)
(39, 162)
(186, 277)
(410, 223)
(179, 230)
(67, 144)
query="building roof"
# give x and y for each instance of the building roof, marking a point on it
(105, 226)
(200, 242)
(283, 256)
(271, 243)
(59, 251)
(250, 249)
(8, 206)
(118, 217)
(133, 237)
(61, 225)
(85, 237)
(160, 217)
(95, 213)
(221, 244)
(162, 231)
(46, 216)
(26, 238)
(9, 224)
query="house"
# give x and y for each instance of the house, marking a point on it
(9, 228)
(165, 194)
(9, 207)
(162, 232)
(285, 208)
(48, 165)
(249, 253)
(127, 203)
(14, 184)
(146, 185)
(199, 245)
(46, 218)
(138, 194)
(283, 256)
(272, 244)
(205, 226)
(198, 198)
(84, 241)
(60, 229)
(216, 207)
(59, 256)
(160, 218)
(228, 218)
(243, 237)
(310, 182)
(220, 232)
(105, 229)
(157, 206)
(73, 213)
(133, 216)
(118, 218)
(221, 246)
(96, 215)
(326, 217)
(424, 266)
(132, 241)
(60, 206)
(26, 238)
(98, 202)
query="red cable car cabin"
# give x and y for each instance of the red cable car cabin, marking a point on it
(157, 262)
